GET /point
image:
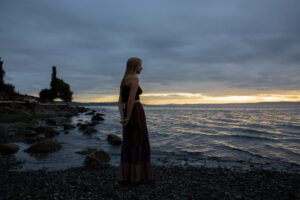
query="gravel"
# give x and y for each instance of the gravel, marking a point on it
(171, 182)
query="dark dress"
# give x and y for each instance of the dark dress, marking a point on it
(135, 162)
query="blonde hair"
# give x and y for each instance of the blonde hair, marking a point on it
(131, 66)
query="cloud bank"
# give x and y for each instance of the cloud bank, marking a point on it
(215, 48)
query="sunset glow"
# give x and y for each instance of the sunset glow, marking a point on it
(198, 98)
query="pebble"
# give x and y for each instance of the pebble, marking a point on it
(171, 182)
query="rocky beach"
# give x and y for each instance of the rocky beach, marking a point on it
(170, 183)
(33, 122)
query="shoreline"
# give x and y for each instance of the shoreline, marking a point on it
(171, 181)
(190, 183)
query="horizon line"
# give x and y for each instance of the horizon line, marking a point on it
(116, 102)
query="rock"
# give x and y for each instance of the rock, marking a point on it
(31, 127)
(114, 139)
(81, 109)
(68, 115)
(30, 133)
(50, 132)
(32, 140)
(46, 146)
(3, 135)
(86, 151)
(97, 159)
(9, 148)
(90, 113)
(99, 114)
(78, 124)
(50, 122)
(68, 126)
(83, 126)
(26, 133)
(97, 118)
(90, 130)
(39, 129)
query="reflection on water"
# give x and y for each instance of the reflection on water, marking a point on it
(192, 134)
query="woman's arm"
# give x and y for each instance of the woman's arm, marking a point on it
(121, 107)
(133, 89)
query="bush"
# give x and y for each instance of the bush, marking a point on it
(8, 89)
(46, 95)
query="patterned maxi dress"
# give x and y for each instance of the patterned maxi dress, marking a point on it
(135, 162)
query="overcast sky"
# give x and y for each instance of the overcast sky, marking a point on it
(212, 48)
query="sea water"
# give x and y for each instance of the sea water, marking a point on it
(224, 135)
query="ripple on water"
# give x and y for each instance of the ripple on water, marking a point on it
(258, 133)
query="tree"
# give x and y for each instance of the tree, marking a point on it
(58, 89)
(53, 83)
(66, 93)
(2, 73)
(46, 95)
(7, 89)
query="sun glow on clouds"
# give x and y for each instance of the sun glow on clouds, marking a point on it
(198, 98)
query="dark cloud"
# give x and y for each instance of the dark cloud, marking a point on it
(217, 46)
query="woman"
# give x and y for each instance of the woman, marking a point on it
(135, 164)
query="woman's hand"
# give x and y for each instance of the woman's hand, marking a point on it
(125, 121)
(122, 119)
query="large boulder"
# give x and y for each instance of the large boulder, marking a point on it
(46, 146)
(114, 139)
(97, 159)
(89, 130)
(9, 148)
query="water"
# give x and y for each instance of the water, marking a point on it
(231, 135)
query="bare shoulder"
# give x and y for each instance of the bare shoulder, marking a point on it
(132, 80)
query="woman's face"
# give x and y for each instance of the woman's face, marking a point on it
(139, 69)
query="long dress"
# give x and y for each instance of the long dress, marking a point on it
(135, 162)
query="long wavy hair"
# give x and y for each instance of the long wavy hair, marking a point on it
(131, 67)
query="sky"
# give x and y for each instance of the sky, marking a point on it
(193, 51)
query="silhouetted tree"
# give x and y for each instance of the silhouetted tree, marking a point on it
(53, 83)
(58, 89)
(46, 95)
(2, 73)
(7, 89)
(65, 93)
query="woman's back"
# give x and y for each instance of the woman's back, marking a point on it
(126, 91)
